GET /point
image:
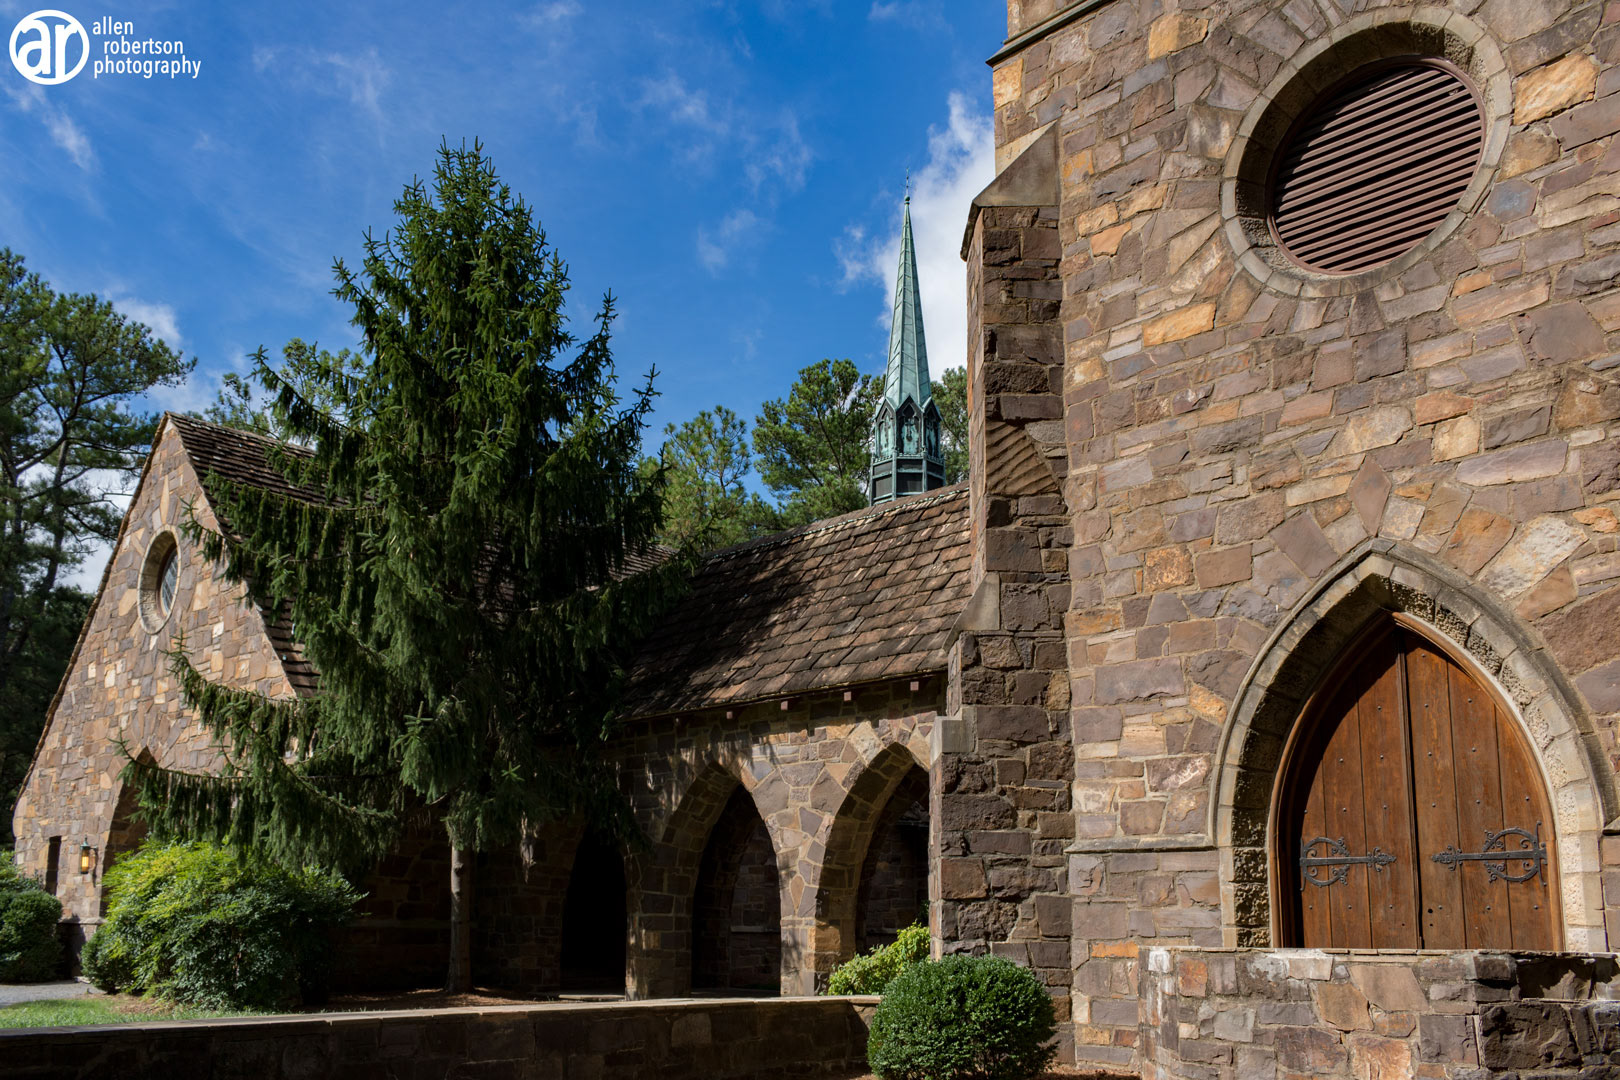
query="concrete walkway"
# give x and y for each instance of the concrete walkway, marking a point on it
(16, 993)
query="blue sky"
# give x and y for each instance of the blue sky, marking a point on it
(732, 171)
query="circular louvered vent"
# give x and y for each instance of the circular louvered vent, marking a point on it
(1374, 165)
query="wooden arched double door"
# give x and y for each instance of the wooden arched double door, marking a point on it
(1410, 814)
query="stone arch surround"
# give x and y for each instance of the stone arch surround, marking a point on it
(1378, 577)
(848, 834)
(800, 767)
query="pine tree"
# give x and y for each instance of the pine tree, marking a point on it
(813, 445)
(71, 367)
(705, 502)
(460, 579)
(950, 395)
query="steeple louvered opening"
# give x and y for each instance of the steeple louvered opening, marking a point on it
(1375, 165)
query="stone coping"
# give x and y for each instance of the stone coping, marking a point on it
(293, 1020)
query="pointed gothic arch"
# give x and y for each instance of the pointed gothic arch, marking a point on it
(1378, 580)
(836, 933)
(125, 829)
(664, 882)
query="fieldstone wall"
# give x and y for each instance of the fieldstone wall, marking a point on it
(1001, 789)
(684, 1040)
(819, 770)
(118, 688)
(1240, 433)
(1256, 1014)
(812, 786)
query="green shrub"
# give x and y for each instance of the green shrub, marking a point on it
(29, 948)
(870, 973)
(962, 1018)
(198, 925)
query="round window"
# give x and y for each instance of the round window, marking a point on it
(1374, 165)
(160, 577)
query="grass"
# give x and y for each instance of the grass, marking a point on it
(86, 1011)
(67, 1012)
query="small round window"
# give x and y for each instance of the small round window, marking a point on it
(160, 578)
(1374, 165)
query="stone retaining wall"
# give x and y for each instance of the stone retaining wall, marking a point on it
(1223, 1014)
(708, 1039)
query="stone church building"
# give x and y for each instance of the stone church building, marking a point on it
(1260, 689)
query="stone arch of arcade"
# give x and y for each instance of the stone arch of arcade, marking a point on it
(870, 868)
(1381, 580)
(722, 812)
(692, 864)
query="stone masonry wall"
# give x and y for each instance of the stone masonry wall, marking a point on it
(820, 771)
(118, 687)
(1257, 1014)
(1237, 431)
(678, 1040)
(1000, 792)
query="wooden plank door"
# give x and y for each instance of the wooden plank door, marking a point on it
(1412, 815)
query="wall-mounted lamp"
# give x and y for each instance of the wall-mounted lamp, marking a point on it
(84, 856)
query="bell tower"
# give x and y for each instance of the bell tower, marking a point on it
(906, 453)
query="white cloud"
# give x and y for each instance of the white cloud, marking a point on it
(543, 15)
(63, 131)
(913, 13)
(715, 249)
(159, 318)
(961, 161)
(785, 160)
(690, 107)
(362, 76)
(774, 156)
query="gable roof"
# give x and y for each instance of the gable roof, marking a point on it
(244, 457)
(868, 596)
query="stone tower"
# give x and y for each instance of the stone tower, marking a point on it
(906, 454)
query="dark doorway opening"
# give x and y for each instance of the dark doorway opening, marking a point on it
(894, 876)
(594, 920)
(737, 907)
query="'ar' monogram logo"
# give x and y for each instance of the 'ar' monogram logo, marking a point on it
(56, 51)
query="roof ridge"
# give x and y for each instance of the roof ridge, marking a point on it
(840, 521)
(187, 420)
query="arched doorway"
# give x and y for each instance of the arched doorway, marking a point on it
(737, 907)
(1409, 811)
(894, 874)
(594, 925)
(125, 832)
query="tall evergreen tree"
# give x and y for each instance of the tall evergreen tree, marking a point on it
(813, 445)
(306, 367)
(457, 573)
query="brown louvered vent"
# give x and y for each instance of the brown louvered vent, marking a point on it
(1370, 169)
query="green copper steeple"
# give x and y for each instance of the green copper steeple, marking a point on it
(906, 455)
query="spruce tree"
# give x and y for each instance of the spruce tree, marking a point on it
(457, 568)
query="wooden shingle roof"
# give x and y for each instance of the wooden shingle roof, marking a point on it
(869, 596)
(862, 598)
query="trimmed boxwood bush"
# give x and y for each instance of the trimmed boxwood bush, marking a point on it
(870, 973)
(30, 951)
(199, 925)
(962, 1018)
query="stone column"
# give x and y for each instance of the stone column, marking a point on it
(1000, 795)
